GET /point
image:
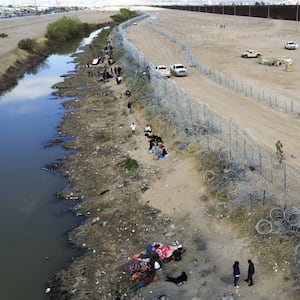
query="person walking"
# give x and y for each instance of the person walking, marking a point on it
(236, 273)
(251, 271)
(133, 128)
(279, 151)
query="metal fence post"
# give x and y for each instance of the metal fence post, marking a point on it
(284, 177)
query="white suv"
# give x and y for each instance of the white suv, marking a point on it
(290, 45)
(178, 70)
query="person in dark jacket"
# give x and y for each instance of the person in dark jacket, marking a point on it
(236, 273)
(181, 279)
(251, 271)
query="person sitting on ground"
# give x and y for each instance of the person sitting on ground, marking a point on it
(161, 152)
(118, 80)
(147, 130)
(152, 144)
(157, 138)
(182, 279)
(164, 152)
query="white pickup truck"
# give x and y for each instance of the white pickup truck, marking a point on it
(163, 70)
(178, 70)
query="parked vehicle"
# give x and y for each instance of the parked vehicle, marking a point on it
(163, 70)
(290, 45)
(178, 70)
(249, 53)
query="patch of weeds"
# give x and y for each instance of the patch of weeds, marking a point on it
(26, 44)
(209, 161)
(131, 165)
(101, 137)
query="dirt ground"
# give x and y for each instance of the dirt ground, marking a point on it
(164, 201)
(220, 49)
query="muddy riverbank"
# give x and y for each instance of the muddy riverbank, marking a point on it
(117, 224)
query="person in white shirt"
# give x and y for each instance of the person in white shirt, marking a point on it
(133, 128)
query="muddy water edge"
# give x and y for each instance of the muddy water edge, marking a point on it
(117, 225)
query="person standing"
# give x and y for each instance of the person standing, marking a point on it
(129, 107)
(236, 273)
(133, 128)
(251, 271)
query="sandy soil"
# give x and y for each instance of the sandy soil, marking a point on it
(220, 49)
(175, 186)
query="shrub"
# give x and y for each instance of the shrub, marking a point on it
(124, 15)
(131, 165)
(26, 44)
(3, 35)
(65, 29)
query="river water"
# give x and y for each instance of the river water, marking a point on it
(33, 222)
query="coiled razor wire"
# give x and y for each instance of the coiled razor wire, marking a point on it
(292, 216)
(288, 218)
(277, 215)
(264, 227)
(208, 176)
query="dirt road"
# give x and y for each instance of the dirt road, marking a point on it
(220, 49)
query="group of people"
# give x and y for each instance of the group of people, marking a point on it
(156, 144)
(144, 265)
(107, 72)
(237, 273)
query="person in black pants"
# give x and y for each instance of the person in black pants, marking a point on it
(236, 274)
(250, 272)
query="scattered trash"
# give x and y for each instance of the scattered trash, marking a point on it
(275, 267)
(104, 192)
(181, 147)
(94, 220)
(48, 290)
(156, 266)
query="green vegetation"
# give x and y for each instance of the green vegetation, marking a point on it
(124, 15)
(34, 46)
(65, 29)
(99, 42)
(26, 44)
(131, 165)
(3, 35)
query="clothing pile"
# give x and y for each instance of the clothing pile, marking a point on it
(143, 266)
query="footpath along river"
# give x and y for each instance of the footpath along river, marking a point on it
(33, 222)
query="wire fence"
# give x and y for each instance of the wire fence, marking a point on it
(265, 97)
(192, 121)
